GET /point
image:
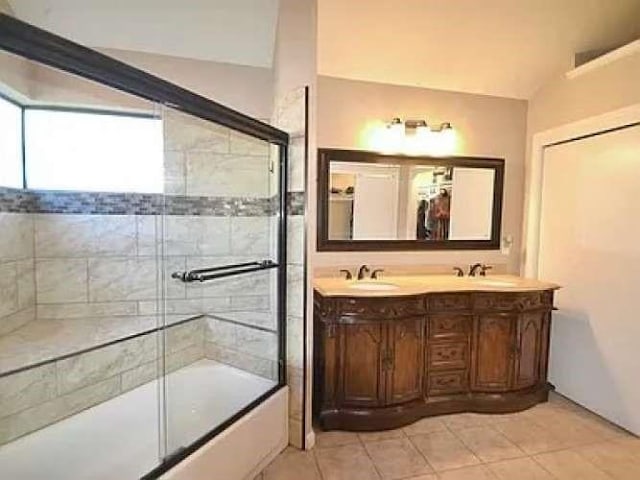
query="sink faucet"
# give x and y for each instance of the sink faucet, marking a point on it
(459, 271)
(376, 273)
(347, 274)
(473, 269)
(362, 271)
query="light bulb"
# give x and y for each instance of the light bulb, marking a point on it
(395, 136)
(423, 138)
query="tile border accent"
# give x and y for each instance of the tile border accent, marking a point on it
(296, 203)
(14, 200)
(108, 203)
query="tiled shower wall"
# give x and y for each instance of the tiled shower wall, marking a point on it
(88, 263)
(290, 115)
(17, 283)
(210, 161)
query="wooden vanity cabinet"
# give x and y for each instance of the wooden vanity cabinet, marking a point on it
(404, 369)
(384, 362)
(395, 350)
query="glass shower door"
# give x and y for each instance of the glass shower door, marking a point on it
(224, 276)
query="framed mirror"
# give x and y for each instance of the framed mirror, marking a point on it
(368, 201)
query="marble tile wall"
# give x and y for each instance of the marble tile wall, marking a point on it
(290, 115)
(37, 397)
(17, 278)
(247, 346)
(68, 256)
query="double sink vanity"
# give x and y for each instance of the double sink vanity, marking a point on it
(388, 352)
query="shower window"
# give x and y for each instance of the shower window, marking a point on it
(93, 151)
(10, 144)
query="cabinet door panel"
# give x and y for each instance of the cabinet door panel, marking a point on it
(406, 366)
(493, 352)
(361, 353)
(529, 341)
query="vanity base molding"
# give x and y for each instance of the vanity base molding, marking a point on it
(385, 362)
(396, 416)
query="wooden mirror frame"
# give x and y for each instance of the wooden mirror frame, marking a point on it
(324, 244)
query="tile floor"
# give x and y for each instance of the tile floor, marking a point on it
(557, 440)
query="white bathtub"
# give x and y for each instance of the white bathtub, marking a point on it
(120, 438)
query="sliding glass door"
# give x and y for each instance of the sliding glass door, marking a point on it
(222, 248)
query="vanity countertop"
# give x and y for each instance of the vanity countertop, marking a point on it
(391, 286)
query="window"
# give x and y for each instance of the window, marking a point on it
(93, 151)
(10, 144)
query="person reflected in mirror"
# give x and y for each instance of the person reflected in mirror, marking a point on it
(421, 227)
(442, 214)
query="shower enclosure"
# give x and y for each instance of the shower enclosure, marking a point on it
(142, 264)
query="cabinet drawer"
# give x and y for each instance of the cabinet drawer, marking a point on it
(442, 383)
(444, 327)
(381, 308)
(512, 301)
(447, 302)
(448, 356)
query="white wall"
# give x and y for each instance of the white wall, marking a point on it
(243, 88)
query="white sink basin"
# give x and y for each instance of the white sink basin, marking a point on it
(496, 283)
(375, 286)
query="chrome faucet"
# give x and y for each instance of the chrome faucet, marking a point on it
(459, 271)
(362, 271)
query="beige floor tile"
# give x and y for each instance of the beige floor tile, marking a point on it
(292, 465)
(429, 476)
(529, 436)
(478, 472)
(397, 458)
(488, 444)
(631, 444)
(335, 438)
(425, 425)
(569, 465)
(519, 469)
(601, 426)
(381, 435)
(567, 429)
(467, 420)
(444, 451)
(561, 401)
(614, 459)
(348, 462)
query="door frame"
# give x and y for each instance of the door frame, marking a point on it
(610, 121)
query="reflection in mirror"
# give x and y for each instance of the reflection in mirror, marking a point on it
(377, 198)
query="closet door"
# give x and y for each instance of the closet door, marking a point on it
(590, 231)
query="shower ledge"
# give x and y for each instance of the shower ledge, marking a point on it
(42, 340)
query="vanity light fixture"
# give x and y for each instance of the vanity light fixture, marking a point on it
(396, 128)
(415, 137)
